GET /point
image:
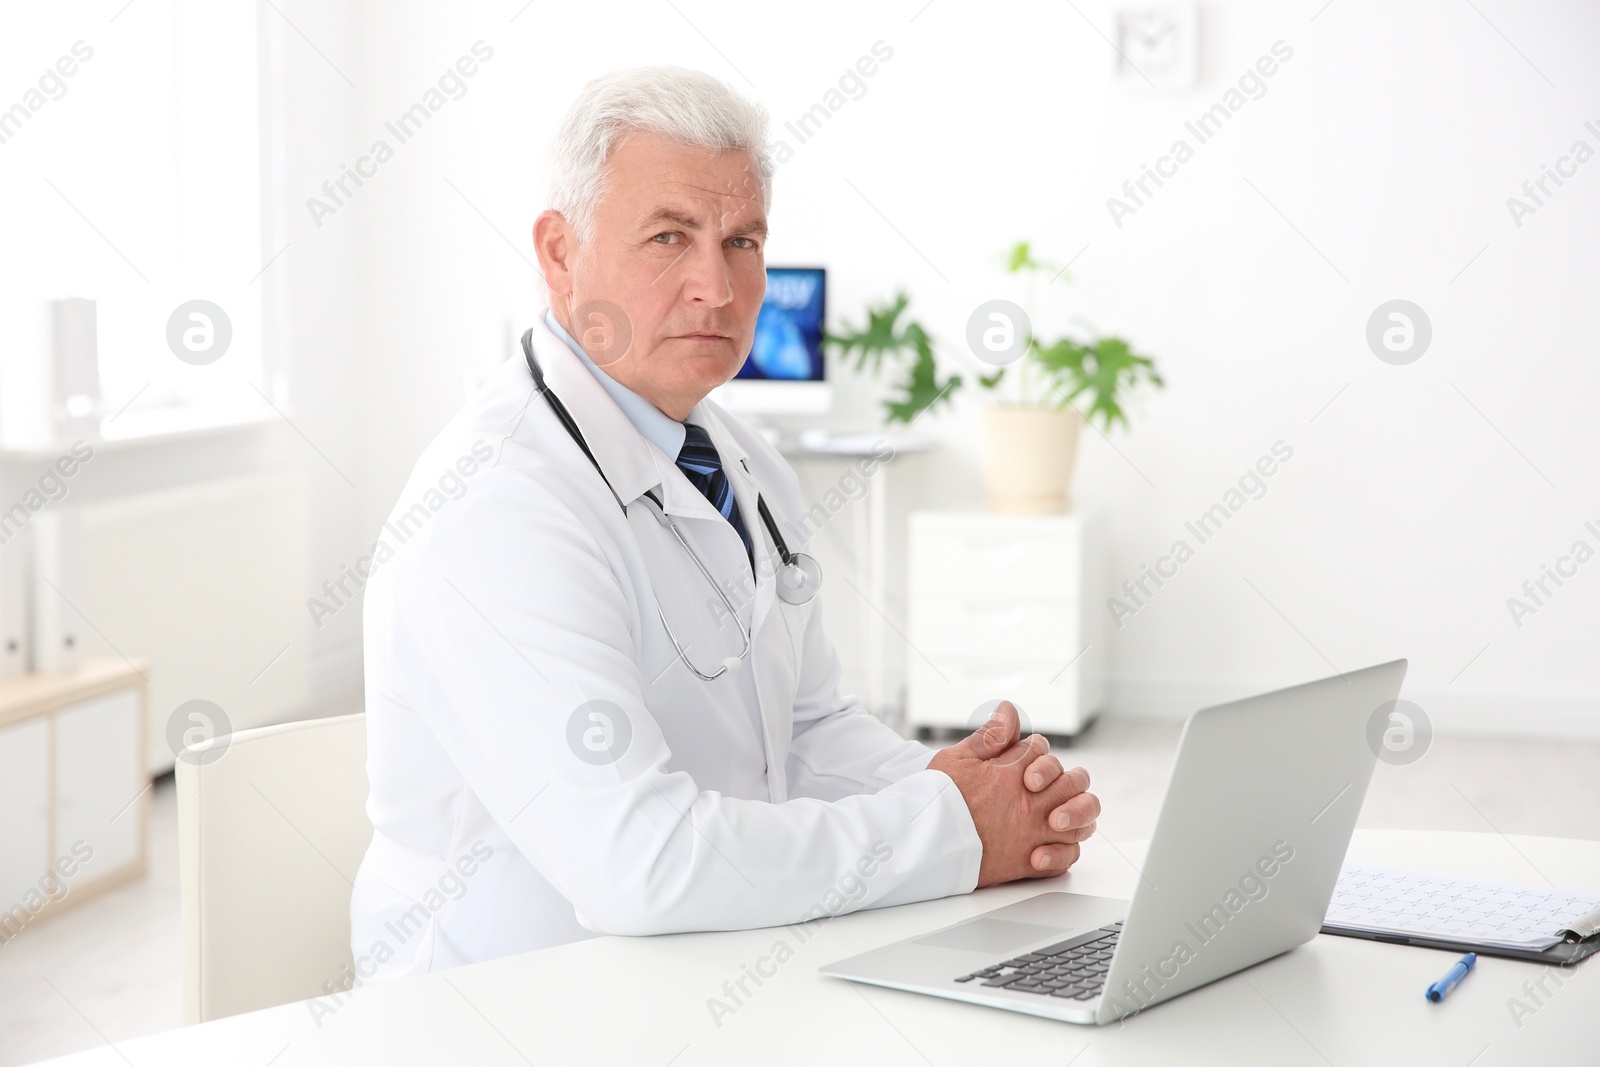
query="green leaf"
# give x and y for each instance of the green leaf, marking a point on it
(1103, 370)
(869, 346)
(921, 388)
(884, 338)
(1020, 258)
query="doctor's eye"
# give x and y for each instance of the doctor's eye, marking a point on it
(669, 234)
(749, 242)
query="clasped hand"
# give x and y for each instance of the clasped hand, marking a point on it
(1030, 813)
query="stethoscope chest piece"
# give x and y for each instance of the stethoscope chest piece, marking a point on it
(799, 580)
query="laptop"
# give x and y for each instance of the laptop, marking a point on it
(1241, 867)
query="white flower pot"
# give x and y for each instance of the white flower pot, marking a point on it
(1028, 452)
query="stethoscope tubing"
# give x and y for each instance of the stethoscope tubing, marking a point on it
(805, 587)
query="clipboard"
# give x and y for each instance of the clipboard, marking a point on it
(1564, 953)
(1563, 947)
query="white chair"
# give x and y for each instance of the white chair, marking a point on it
(270, 833)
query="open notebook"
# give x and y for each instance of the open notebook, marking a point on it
(1379, 901)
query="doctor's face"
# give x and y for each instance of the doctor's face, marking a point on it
(679, 247)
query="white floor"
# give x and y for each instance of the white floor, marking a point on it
(111, 969)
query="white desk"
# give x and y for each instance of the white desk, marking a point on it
(642, 1001)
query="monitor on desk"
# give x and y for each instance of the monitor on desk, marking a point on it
(784, 372)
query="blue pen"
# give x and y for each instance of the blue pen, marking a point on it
(1441, 989)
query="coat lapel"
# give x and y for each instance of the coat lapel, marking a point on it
(634, 466)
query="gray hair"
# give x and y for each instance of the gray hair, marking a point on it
(686, 106)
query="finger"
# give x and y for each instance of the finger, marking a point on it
(1077, 812)
(997, 734)
(1079, 833)
(1048, 861)
(1041, 772)
(1066, 786)
(1023, 752)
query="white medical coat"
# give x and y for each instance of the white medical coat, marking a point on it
(544, 767)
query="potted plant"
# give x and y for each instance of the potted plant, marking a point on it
(1030, 431)
(1030, 434)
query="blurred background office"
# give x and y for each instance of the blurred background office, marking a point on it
(304, 230)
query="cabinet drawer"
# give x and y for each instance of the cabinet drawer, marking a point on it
(993, 626)
(950, 694)
(954, 560)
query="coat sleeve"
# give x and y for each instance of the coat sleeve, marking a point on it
(517, 635)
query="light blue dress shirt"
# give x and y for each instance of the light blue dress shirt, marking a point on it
(657, 427)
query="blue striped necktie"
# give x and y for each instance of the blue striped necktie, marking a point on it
(698, 460)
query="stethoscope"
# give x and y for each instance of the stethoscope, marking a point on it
(798, 580)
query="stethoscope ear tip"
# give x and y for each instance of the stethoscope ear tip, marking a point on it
(731, 663)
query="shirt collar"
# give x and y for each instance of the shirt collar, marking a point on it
(653, 424)
(633, 465)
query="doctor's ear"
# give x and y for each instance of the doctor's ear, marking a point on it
(556, 244)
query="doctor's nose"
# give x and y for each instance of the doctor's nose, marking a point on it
(706, 278)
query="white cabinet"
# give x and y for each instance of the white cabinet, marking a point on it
(74, 792)
(1006, 607)
(98, 778)
(24, 807)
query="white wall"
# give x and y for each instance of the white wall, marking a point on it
(317, 89)
(1377, 165)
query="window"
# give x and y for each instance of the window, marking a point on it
(131, 169)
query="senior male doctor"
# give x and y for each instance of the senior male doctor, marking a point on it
(587, 710)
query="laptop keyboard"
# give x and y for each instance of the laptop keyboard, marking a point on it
(1074, 969)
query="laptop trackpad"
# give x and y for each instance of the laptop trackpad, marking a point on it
(988, 935)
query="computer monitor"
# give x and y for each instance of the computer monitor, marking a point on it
(784, 372)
